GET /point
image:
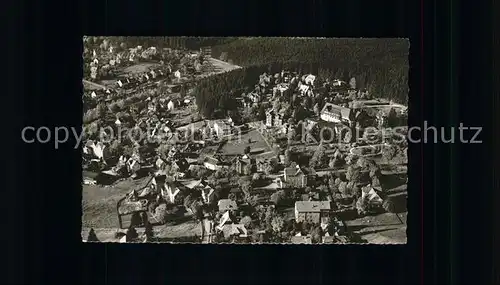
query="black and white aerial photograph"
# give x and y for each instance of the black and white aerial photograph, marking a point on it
(245, 140)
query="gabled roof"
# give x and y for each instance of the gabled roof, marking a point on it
(159, 179)
(221, 124)
(240, 160)
(328, 239)
(246, 157)
(283, 86)
(301, 240)
(182, 164)
(196, 183)
(312, 206)
(235, 229)
(293, 171)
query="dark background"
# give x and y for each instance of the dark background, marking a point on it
(451, 186)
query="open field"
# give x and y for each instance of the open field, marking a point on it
(220, 66)
(99, 212)
(237, 146)
(139, 68)
(187, 229)
(99, 202)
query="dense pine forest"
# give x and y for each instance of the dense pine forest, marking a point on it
(379, 65)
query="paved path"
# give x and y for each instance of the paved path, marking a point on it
(222, 64)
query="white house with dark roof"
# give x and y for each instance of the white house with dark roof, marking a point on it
(338, 82)
(309, 79)
(282, 87)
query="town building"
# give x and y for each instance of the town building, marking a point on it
(173, 88)
(338, 82)
(281, 88)
(295, 177)
(180, 165)
(245, 165)
(254, 97)
(207, 192)
(152, 106)
(311, 211)
(274, 119)
(222, 129)
(153, 74)
(235, 231)
(304, 88)
(159, 182)
(336, 114)
(261, 165)
(213, 163)
(240, 166)
(177, 74)
(309, 79)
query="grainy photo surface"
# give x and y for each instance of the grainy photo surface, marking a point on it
(245, 140)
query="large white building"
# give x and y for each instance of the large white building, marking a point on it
(336, 114)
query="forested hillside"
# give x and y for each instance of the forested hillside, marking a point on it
(217, 93)
(380, 65)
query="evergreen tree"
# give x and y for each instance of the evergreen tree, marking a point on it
(92, 237)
